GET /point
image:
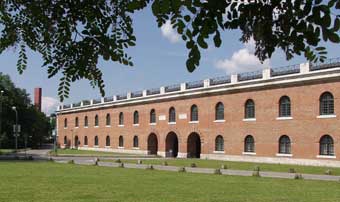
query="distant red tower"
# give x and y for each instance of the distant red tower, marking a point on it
(37, 98)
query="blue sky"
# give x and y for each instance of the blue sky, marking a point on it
(159, 59)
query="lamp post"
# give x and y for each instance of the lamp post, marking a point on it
(16, 128)
(1, 94)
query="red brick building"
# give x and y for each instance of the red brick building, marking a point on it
(283, 115)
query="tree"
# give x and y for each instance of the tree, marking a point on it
(72, 36)
(34, 124)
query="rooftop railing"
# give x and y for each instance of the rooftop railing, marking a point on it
(122, 97)
(173, 88)
(280, 71)
(86, 102)
(329, 63)
(220, 80)
(194, 84)
(97, 101)
(76, 104)
(137, 94)
(246, 76)
(153, 91)
(108, 99)
(66, 106)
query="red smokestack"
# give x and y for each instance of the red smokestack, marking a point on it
(37, 98)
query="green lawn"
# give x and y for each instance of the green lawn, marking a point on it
(32, 181)
(90, 153)
(239, 165)
(6, 151)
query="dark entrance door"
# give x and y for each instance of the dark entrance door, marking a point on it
(171, 142)
(194, 146)
(76, 142)
(152, 144)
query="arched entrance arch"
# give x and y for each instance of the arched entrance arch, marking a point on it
(194, 146)
(152, 144)
(76, 142)
(171, 145)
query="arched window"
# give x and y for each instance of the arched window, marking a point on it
(326, 145)
(85, 140)
(107, 142)
(326, 104)
(76, 122)
(135, 141)
(121, 118)
(284, 108)
(152, 116)
(284, 145)
(108, 119)
(249, 144)
(96, 120)
(249, 109)
(65, 140)
(219, 111)
(121, 141)
(65, 123)
(172, 115)
(219, 143)
(135, 117)
(86, 121)
(194, 113)
(96, 141)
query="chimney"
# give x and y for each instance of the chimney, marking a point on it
(37, 98)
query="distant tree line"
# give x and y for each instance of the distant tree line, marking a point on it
(35, 127)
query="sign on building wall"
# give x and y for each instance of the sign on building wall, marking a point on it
(162, 118)
(182, 116)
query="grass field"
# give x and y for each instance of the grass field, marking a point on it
(6, 151)
(239, 165)
(89, 153)
(31, 181)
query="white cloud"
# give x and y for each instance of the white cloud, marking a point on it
(49, 104)
(242, 60)
(169, 33)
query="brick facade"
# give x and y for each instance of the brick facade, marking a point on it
(304, 128)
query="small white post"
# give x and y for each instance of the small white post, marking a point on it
(206, 83)
(183, 86)
(144, 93)
(162, 90)
(266, 73)
(234, 78)
(304, 68)
(128, 96)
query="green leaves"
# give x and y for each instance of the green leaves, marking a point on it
(22, 61)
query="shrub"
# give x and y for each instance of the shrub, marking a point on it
(149, 167)
(139, 162)
(291, 170)
(256, 173)
(118, 161)
(328, 172)
(121, 165)
(257, 168)
(224, 166)
(193, 165)
(298, 176)
(71, 162)
(165, 163)
(181, 169)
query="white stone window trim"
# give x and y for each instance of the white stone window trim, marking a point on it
(284, 155)
(96, 146)
(136, 124)
(76, 127)
(249, 119)
(152, 124)
(136, 148)
(194, 122)
(219, 121)
(121, 125)
(249, 153)
(218, 152)
(120, 147)
(107, 147)
(86, 127)
(108, 126)
(172, 123)
(65, 127)
(96, 126)
(328, 116)
(325, 157)
(85, 145)
(284, 118)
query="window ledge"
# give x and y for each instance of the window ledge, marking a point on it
(136, 124)
(108, 126)
(85, 145)
(76, 127)
(96, 146)
(120, 125)
(171, 123)
(193, 121)
(284, 155)
(249, 119)
(152, 124)
(136, 148)
(284, 118)
(218, 152)
(65, 127)
(86, 127)
(326, 116)
(96, 126)
(249, 153)
(325, 157)
(219, 121)
(107, 147)
(120, 147)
